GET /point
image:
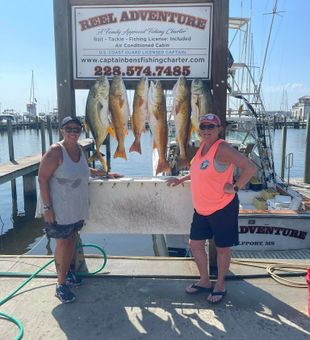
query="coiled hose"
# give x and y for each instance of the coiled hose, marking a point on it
(8, 297)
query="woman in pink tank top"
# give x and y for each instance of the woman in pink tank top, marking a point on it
(215, 201)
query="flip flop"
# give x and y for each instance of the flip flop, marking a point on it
(199, 289)
(221, 294)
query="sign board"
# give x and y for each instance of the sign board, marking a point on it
(162, 41)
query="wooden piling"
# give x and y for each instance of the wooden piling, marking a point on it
(284, 135)
(37, 124)
(43, 141)
(307, 154)
(49, 129)
(10, 141)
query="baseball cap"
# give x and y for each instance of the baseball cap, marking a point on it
(69, 119)
(210, 118)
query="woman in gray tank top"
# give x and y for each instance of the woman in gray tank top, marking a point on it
(63, 180)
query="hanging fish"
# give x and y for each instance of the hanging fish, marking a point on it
(158, 123)
(181, 110)
(140, 113)
(119, 108)
(97, 118)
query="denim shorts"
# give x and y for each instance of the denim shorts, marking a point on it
(222, 225)
(62, 231)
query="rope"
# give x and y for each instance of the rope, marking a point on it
(280, 266)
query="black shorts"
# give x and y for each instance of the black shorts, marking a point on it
(62, 231)
(222, 225)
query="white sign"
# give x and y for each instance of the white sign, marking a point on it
(159, 41)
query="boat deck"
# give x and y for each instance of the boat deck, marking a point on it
(303, 188)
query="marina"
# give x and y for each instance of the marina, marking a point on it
(15, 221)
(133, 253)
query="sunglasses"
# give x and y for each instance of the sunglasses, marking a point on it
(208, 127)
(74, 129)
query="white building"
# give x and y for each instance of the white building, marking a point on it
(301, 110)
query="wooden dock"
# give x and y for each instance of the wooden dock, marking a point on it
(144, 298)
(30, 164)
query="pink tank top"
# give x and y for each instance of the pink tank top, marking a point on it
(207, 184)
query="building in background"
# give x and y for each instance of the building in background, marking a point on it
(301, 110)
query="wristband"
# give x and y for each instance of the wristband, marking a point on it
(236, 188)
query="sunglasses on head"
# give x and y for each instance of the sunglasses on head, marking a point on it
(207, 126)
(72, 129)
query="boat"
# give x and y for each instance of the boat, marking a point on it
(5, 117)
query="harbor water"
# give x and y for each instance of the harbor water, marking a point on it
(20, 231)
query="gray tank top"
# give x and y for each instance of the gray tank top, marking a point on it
(69, 189)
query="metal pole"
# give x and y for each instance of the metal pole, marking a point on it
(284, 135)
(307, 153)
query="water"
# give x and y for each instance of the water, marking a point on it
(295, 144)
(19, 231)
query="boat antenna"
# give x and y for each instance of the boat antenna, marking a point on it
(273, 13)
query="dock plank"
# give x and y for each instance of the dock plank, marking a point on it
(148, 266)
(30, 164)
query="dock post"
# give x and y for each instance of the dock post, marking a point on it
(307, 153)
(284, 135)
(43, 141)
(10, 141)
(49, 129)
(37, 123)
(29, 185)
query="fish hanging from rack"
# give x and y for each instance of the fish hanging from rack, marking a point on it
(158, 123)
(119, 107)
(139, 115)
(201, 102)
(181, 110)
(97, 118)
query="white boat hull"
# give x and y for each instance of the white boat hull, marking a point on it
(149, 206)
(270, 232)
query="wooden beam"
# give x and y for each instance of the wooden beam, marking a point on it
(219, 57)
(64, 60)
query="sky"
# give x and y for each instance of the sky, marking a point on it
(27, 44)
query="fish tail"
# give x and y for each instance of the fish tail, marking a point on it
(86, 127)
(163, 166)
(183, 163)
(136, 146)
(120, 152)
(100, 157)
(91, 158)
(102, 161)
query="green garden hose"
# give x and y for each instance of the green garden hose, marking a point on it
(8, 297)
